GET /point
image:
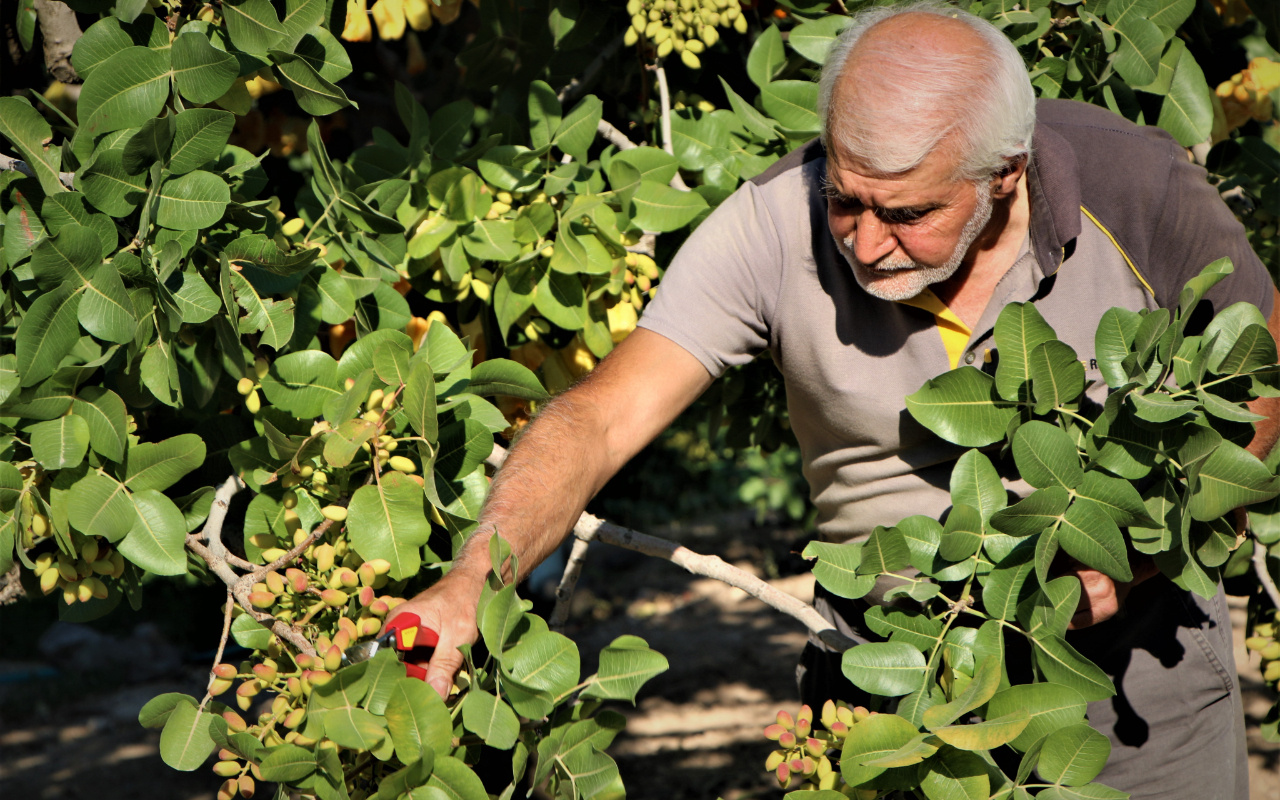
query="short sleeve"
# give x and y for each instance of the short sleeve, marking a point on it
(715, 299)
(1196, 228)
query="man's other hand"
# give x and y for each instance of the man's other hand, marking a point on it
(449, 609)
(1100, 596)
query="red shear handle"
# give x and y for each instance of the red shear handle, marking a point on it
(413, 643)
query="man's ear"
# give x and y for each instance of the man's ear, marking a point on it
(1005, 181)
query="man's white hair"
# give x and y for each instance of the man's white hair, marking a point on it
(984, 98)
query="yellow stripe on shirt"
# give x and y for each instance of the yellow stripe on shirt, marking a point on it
(955, 334)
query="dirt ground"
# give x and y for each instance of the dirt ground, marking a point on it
(694, 734)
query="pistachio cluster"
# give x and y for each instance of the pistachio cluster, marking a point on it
(687, 27)
(1264, 643)
(801, 761)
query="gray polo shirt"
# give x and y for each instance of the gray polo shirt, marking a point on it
(1119, 217)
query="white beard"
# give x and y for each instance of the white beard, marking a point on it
(901, 278)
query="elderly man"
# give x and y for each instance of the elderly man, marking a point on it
(874, 260)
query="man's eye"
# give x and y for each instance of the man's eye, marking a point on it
(843, 202)
(902, 216)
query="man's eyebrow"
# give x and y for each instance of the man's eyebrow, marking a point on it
(832, 192)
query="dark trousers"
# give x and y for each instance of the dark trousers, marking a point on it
(1176, 724)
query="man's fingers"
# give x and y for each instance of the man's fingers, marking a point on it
(1098, 599)
(444, 665)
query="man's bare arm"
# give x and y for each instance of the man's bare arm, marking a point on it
(569, 451)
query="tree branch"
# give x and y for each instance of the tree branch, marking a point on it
(216, 556)
(61, 31)
(1264, 575)
(614, 136)
(590, 527)
(569, 579)
(222, 646)
(9, 162)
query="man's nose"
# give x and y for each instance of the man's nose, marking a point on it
(872, 239)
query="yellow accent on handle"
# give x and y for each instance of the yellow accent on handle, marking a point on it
(407, 638)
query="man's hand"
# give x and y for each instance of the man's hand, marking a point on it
(1100, 596)
(449, 609)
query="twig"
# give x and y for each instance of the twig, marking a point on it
(61, 31)
(664, 100)
(222, 646)
(9, 162)
(664, 108)
(569, 580)
(573, 88)
(591, 527)
(1264, 575)
(614, 136)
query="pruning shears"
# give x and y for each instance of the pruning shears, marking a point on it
(410, 639)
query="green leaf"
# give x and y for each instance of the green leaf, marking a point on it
(1006, 584)
(1196, 288)
(1187, 111)
(985, 683)
(625, 666)
(792, 104)
(884, 551)
(876, 737)
(68, 256)
(1088, 535)
(1090, 791)
(661, 208)
(126, 90)
(956, 775)
(1116, 498)
(577, 130)
(491, 719)
(99, 506)
(300, 383)
(1033, 514)
(105, 412)
(1073, 755)
(418, 721)
(288, 763)
(155, 713)
(106, 311)
(187, 739)
(196, 299)
(1230, 478)
(813, 39)
(109, 187)
(261, 251)
(1254, 348)
(987, 734)
(1051, 707)
(767, 57)
(158, 466)
(544, 113)
(419, 401)
(561, 299)
(322, 50)
(1112, 342)
(199, 136)
(1057, 376)
(202, 72)
(1061, 663)
(697, 137)
(975, 483)
(454, 780)
(192, 201)
(545, 662)
(315, 95)
(755, 122)
(100, 41)
(59, 443)
(500, 376)
(252, 25)
(1137, 59)
(837, 568)
(904, 626)
(492, 240)
(157, 541)
(1228, 325)
(890, 669)
(960, 406)
(47, 333)
(1046, 456)
(388, 520)
(654, 164)
(27, 130)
